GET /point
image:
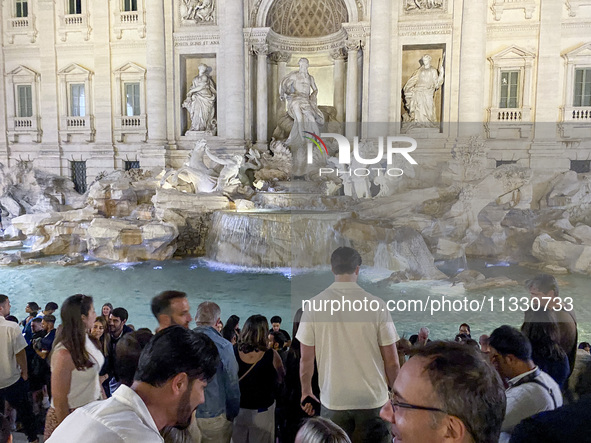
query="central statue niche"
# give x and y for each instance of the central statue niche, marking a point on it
(298, 89)
(304, 99)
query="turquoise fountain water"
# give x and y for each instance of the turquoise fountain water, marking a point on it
(271, 292)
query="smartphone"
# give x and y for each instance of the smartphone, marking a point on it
(315, 404)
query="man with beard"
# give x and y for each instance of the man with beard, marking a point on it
(171, 308)
(118, 328)
(168, 386)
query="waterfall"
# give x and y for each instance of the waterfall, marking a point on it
(274, 238)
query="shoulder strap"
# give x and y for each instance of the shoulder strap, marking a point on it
(542, 384)
(251, 368)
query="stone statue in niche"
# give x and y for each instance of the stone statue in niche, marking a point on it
(419, 91)
(411, 5)
(199, 10)
(200, 102)
(299, 90)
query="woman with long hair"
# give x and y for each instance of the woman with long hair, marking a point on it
(259, 371)
(541, 328)
(99, 334)
(75, 362)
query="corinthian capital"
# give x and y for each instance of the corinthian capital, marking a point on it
(260, 49)
(338, 54)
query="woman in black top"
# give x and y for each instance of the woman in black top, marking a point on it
(260, 370)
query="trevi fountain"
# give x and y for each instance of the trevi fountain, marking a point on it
(309, 139)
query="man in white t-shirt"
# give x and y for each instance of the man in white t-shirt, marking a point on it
(355, 350)
(13, 370)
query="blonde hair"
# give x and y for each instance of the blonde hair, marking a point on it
(321, 430)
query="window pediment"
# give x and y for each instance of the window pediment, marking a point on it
(74, 69)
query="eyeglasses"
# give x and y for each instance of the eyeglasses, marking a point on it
(397, 404)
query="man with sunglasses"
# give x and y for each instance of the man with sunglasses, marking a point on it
(446, 392)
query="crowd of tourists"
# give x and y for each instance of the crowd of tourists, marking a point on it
(338, 377)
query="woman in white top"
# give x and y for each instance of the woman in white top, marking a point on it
(75, 362)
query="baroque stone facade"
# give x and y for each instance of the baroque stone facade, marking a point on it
(100, 86)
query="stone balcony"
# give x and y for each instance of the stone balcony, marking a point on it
(21, 26)
(71, 23)
(576, 121)
(73, 127)
(130, 126)
(509, 123)
(24, 127)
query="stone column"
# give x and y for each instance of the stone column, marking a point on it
(49, 157)
(232, 106)
(472, 69)
(156, 98)
(548, 77)
(283, 58)
(3, 109)
(273, 91)
(352, 100)
(339, 57)
(103, 155)
(380, 47)
(261, 51)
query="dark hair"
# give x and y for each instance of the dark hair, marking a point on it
(344, 260)
(279, 338)
(508, 340)
(295, 343)
(584, 345)
(72, 331)
(109, 305)
(11, 318)
(104, 343)
(175, 350)
(33, 306)
(254, 334)
(543, 283)
(541, 328)
(275, 319)
(120, 313)
(229, 333)
(230, 325)
(161, 303)
(467, 387)
(467, 325)
(3, 298)
(49, 318)
(51, 306)
(128, 352)
(4, 426)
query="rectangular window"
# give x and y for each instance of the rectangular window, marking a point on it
(77, 100)
(22, 8)
(132, 99)
(79, 176)
(582, 87)
(130, 5)
(131, 165)
(25, 101)
(509, 88)
(74, 6)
